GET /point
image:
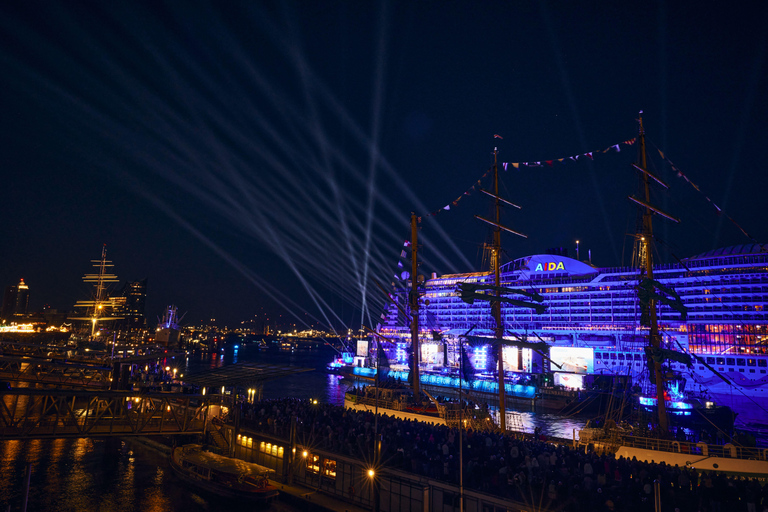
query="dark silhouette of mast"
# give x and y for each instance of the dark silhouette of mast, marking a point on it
(414, 300)
(644, 257)
(496, 302)
(496, 305)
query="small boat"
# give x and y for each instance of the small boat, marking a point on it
(224, 476)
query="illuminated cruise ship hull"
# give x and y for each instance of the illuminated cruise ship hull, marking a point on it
(592, 322)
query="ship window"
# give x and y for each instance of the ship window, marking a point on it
(313, 463)
(598, 355)
(613, 355)
(751, 370)
(729, 361)
(329, 468)
(638, 357)
(621, 357)
(711, 360)
(750, 362)
(741, 370)
(720, 360)
(762, 363)
(740, 362)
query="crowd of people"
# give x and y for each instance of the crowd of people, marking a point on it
(524, 469)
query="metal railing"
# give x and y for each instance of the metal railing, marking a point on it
(617, 438)
(55, 413)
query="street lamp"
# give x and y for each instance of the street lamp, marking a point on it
(577, 250)
(375, 482)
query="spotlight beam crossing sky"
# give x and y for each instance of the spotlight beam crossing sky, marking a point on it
(260, 160)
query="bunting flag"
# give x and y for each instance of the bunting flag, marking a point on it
(541, 163)
(697, 189)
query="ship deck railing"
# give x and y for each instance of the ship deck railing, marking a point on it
(618, 438)
(395, 405)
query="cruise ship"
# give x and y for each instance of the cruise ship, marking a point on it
(592, 324)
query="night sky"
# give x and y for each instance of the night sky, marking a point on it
(264, 157)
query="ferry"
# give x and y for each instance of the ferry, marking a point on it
(224, 476)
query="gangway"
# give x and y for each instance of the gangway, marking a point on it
(56, 413)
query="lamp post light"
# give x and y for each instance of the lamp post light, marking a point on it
(375, 483)
(577, 250)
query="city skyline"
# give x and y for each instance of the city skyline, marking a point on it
(249, 157)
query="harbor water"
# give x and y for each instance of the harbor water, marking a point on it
(120, 474)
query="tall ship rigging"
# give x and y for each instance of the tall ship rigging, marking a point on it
(598, 321)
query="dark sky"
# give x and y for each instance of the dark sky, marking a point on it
(264, 157)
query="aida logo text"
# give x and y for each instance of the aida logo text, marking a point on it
(549, 267)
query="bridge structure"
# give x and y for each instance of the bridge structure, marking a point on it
(55, 413)
(102, 403)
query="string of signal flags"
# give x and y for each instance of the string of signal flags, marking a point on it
(590, 155)
(522, 165)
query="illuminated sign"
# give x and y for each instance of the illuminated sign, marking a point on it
(362, 348)
(569, 380)
(549, 266)
(428, 352)
(572, 359)
(511, 359)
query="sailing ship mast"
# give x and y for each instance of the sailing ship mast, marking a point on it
(101, 301)
(496, 304)
(644, 246)
(414, 300)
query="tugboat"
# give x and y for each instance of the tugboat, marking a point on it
(224, 476)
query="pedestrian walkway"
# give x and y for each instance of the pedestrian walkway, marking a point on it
(313, 499)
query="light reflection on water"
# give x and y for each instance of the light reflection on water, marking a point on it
(330, 388)
(121, 475)
(103, 474)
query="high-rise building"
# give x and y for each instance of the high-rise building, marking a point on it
(129, 303)
(15, 301)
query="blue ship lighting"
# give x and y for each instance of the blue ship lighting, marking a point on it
(401, 354)
(671, 404)
(488, 386)
(480, 356)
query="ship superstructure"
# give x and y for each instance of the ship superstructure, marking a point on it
(167, 333)
(592, 321)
